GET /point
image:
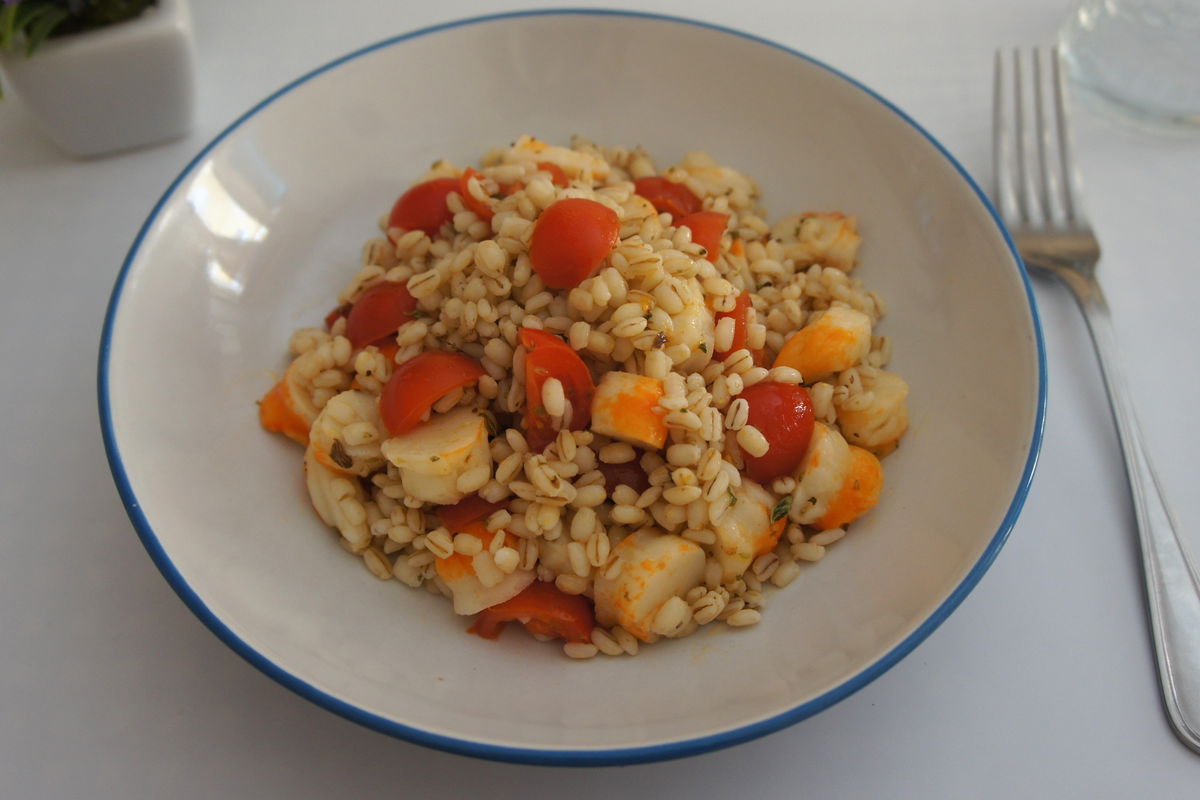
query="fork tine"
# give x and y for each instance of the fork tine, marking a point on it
(1003, 159)
(1072, 182)
(1049, 119)
(1029, 177)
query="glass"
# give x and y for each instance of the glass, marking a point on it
(1139, 57)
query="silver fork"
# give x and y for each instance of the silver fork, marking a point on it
(1039, 195)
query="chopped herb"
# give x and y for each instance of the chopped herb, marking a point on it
(499, 196)
(489, 422)
(703, 347)
(417, 313)
(735, 234)
(812, 501)
(337, 452)
(435, 458)
(781, 508)
(648, 315)
(733, 498)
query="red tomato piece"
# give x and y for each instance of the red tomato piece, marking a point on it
(667, 196)
(336, 314)
(471, 508)
(741, 322)
(423, 207)
(379, 312)
(783, 413)
(482, 209)
(707, 228)
(628, 474)
(549, 611)
(557, 176)
(420, 382)
(570, 240)
(548, 356)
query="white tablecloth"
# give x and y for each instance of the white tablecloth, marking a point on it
(1042, 684)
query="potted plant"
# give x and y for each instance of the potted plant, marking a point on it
(100, 76)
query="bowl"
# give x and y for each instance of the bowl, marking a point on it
(260, 231)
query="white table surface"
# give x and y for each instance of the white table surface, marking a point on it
(1042, 684)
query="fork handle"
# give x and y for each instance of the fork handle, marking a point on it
(1172, 588)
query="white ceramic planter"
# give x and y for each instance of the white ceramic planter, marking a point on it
(111, 89)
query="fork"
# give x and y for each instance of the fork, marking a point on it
(1039, 194)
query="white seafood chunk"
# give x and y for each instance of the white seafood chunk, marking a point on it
(830, 240)
(471, 595)
(444, 459)
(877, 417)
(745, 530)
(695, 328)
(345, 436)
(576, 164)
(821, 474)
(833, 340)
(655, 567)
(625, 407)
(717, 180)
(338, 500)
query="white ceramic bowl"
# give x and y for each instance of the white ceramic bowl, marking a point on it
(261, 230)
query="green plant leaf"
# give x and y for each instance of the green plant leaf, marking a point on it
(781, 508)
(42, 27)
(8, 20)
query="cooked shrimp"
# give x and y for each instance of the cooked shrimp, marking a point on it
(315, 374)
(338, 500)
(655, 567)
(829, 239)
(345, 436)
(820, 475)
(876, 417)
(837, 482)
(859, 491)
(475, 582)
(626, 407)
(746, 530)
(575, 163)
(714, 179)
(695, 327)
(443, 460)
(833, 340)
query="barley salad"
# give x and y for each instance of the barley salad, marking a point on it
(605, 400)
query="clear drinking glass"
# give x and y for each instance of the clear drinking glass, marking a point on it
(1140, 57)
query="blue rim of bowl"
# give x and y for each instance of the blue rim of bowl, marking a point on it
(530, 755)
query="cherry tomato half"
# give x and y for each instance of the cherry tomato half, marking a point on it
(570, 240)
(471, 508)
(741, 322)
(336, 314)
(628, 474)
(783, 413)
(667, 196)
(547, 356)
(378, 312)
(482, 209)
(557, 176)
(549, 611)
(423, 207)
(420, 382)
(707, 228)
